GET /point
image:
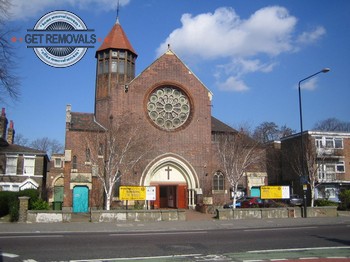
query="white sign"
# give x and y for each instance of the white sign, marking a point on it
(151, 193)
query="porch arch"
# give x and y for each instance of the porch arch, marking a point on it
(172, 170)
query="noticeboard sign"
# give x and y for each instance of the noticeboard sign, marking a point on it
(275, 192)
(151, 193)
(132, 193)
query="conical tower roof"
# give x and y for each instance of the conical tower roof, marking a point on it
(116, 39)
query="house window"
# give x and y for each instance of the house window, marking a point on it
(218, 181)
(340, 167)
(11, 165)
(58, 162)
(75, 163)
(329, 142)
(29, 165)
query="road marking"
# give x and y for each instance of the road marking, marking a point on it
(9, 255)
(32, 236)
(134, 258)
(158, 233)
(297, 249)
(277, 229)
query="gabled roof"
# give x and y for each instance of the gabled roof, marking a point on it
(116, 39)
(84, 122)
(170, 52)
(218, 126)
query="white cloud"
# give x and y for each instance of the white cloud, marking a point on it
(223, 33)
(233, 84)
(309, 84)
(250, 45)
(311, 37)
(21, 10)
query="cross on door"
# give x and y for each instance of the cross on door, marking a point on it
(168, 169)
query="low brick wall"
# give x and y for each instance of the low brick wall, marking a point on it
(261, 213)
(51, 216)
(137, 215)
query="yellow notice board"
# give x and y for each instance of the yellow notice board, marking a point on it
(274, 192)
(132, 193)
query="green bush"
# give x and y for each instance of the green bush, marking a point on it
(6, 198)
(40, 204)
(325, 202)
(344, 197)
(9, 202)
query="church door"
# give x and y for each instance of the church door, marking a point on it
(80, 199)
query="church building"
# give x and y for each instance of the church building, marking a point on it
(173, 105)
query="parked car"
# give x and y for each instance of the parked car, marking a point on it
(238, 203)
(295, 200)
(252, 202)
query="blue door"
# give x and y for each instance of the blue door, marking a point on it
(80, 199)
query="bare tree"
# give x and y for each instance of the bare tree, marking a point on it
(332, 124)
(114, 153)
(50, 146)
(9, 82)
(238, 154)
(312, 161)
(269, 131)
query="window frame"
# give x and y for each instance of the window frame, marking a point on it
(218, 182)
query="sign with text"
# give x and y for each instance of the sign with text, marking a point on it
(151, 193)
(132, 193)
(275, 192)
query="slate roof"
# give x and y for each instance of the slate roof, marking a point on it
(84, 122)
(116, 39)
(17, 149)
(218, 126)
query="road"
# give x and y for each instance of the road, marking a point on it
(67, 246)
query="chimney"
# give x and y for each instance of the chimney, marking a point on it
(10, 134)
(3, 124)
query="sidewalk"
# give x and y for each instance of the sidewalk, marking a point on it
(194, 222)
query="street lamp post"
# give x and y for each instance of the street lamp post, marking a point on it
(304, 178)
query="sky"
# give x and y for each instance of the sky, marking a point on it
(250, 54)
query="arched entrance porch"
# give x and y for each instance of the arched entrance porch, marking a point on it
(175, 180)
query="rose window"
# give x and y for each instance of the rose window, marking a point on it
(168, 107)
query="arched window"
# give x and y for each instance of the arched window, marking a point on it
(218, 181)
(75, 162)
(87, 153)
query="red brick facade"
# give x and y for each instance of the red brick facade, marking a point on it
(182, 164)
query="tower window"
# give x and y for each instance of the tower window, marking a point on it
(106, 67)
(114, 66)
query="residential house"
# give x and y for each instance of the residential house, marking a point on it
(326, 158)
(20, 167)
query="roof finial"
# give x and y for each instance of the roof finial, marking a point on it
(117, 22)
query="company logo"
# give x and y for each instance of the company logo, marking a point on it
(60, 38)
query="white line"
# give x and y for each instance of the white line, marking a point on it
(297, 249)
(9, 255)
(277, 229)
(32, 236)
(135, 258)
(158, 233)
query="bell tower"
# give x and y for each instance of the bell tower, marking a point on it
(114, 70)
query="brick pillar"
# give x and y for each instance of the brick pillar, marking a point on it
(23, 208)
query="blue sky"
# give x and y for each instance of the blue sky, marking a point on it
(250, 54)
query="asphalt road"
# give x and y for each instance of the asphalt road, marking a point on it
(327, 240)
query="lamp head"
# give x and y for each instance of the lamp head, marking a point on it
(325, 70)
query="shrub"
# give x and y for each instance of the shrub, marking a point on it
(6, 198)
(344, 197)
(40, 204)
(325, 202)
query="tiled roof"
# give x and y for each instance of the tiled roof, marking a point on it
(116, 39)
(218, 126)
(84, 121)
